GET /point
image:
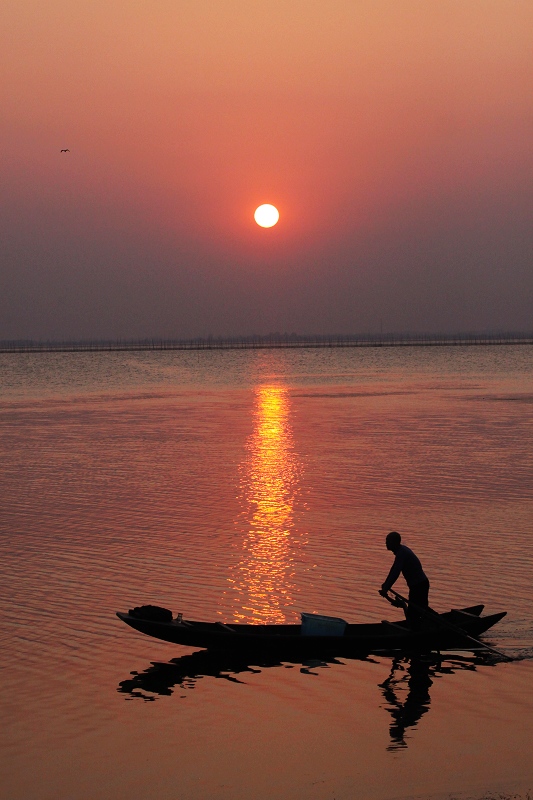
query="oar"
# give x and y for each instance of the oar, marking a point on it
(437, 618)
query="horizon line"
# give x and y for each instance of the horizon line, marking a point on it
(267, 341)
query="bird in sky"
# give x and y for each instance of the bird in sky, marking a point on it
(66, 150)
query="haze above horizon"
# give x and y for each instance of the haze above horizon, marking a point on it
(394, 138)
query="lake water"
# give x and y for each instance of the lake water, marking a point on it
(252, 486)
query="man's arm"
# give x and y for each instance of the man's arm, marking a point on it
(394, 573)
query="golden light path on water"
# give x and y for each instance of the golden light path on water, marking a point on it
(262, 581)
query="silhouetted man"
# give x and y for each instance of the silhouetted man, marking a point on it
(406, 563)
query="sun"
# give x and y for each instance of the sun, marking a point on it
(266, 215)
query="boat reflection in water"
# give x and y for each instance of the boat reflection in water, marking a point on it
(261, 583)
(161, 678)
(406, 691)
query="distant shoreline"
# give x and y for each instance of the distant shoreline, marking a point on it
(270, 341)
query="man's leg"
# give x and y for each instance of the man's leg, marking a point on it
(418, 599)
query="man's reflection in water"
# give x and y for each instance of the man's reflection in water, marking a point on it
(406, 690)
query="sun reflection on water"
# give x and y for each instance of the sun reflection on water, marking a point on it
(262, 582)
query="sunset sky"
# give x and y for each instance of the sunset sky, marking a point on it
(394, 136)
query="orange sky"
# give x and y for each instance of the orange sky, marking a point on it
(394, 136)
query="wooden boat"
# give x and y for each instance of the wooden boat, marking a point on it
(448, 631)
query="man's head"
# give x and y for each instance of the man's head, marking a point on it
(393, 541)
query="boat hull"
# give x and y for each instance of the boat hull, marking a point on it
(288, 639)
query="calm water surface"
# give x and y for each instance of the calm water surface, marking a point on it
(251, 486)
